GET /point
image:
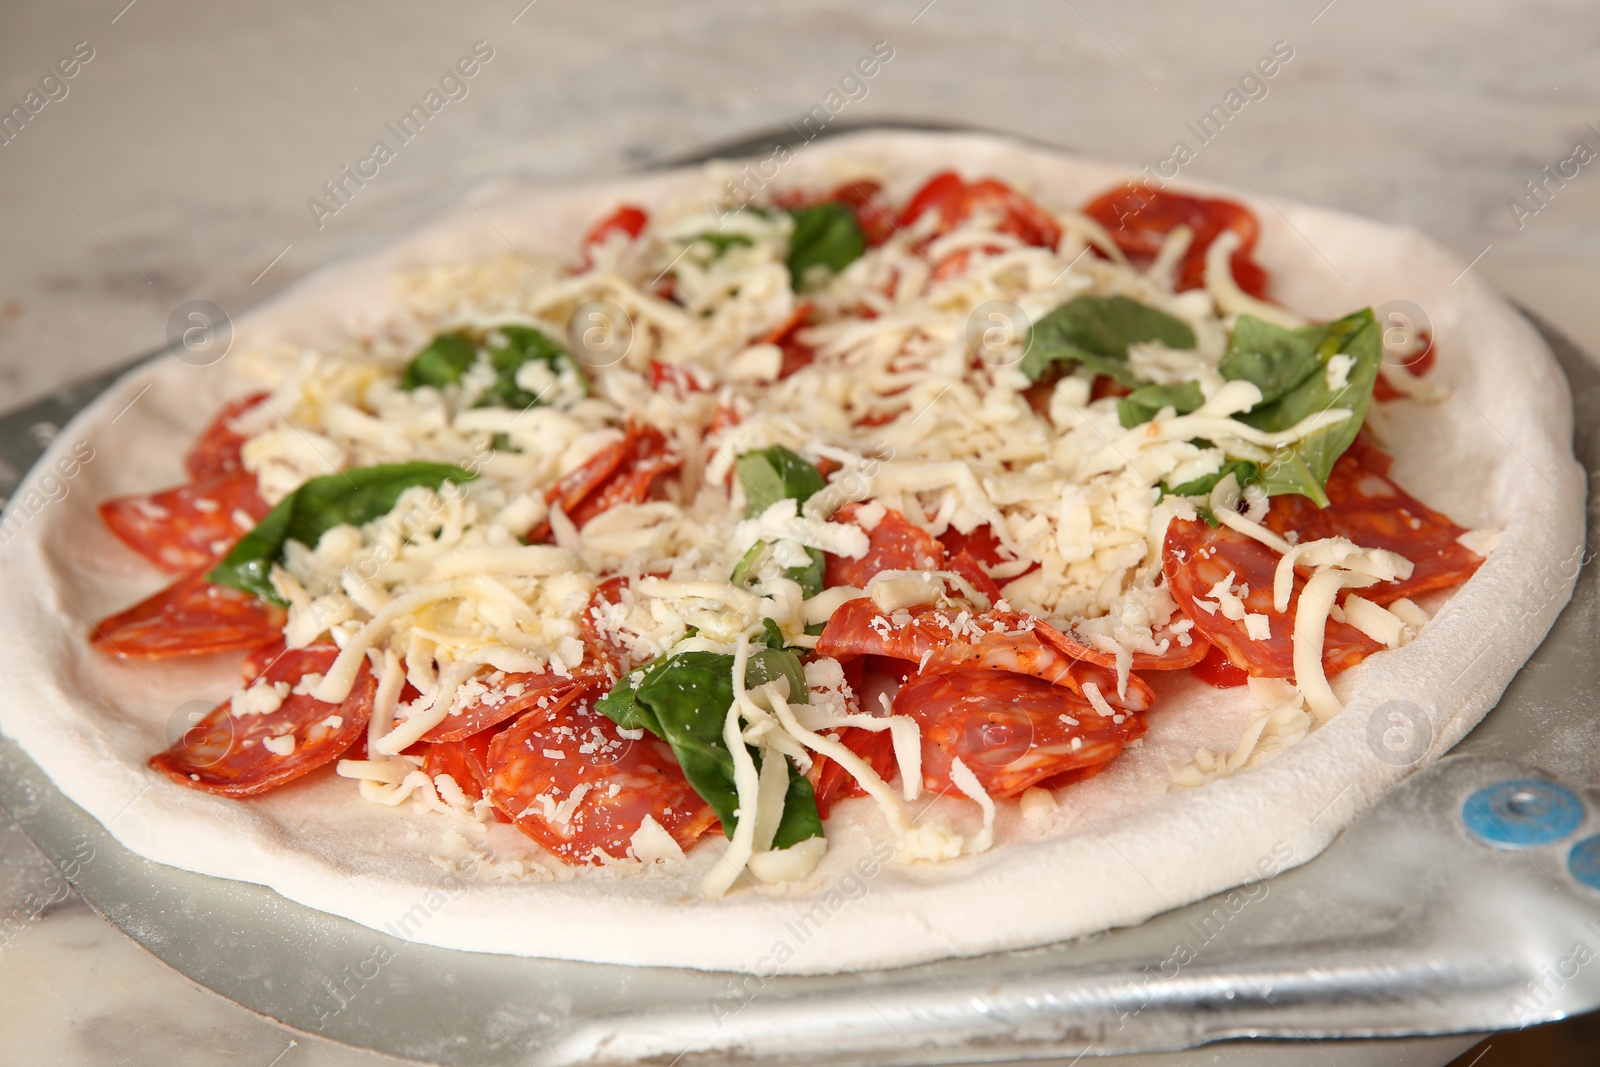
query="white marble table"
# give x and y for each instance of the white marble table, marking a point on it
(179, 162)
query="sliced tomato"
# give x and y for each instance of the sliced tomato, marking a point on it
(1367, 507)
(1216, 669)
(895, 544)
(1139, 217)
(1012, 731)
(831, 781)
(955, 201)
(514, 695)
(941, 639)
(585, 806)
(628, 219)
(191, 617)
(228, 754)
(187, 526)
(620, 473)
(1196, 557)
(217, 451)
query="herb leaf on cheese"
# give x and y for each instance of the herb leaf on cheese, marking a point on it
(448, 357)
(767, 476)
(826, 240)
(1141, 405)
(1271, 357)
(1242, 469)
(349, 498)
(1304, 467)
(1095, 332)
(684, 700)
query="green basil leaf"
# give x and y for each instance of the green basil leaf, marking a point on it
(1242, 469)
(350, 498)
(524, 344)
(800, 819)
(771, 664)
(1304, 467)
(1095, 332)
(1271, 357)
(1141, 405)
(449, 356)
(748, 571)
(443, 362)
(684, 700)
(826, 239)
(769, 475)
(721, 242)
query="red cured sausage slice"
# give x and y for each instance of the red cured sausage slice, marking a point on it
(191, 617)
(796, 355)
(895, 544)
(513, 696)
(1195, 558)
(216, 452)
(1365, 506)
(939, 640)
(1010, 730)
(967, 566)
(187, 526)
(599, 643)
(580, 789)
(231, 755)
(1139, 217)
(832, 782)
(620, 473)
(628, 220)
(955, 201)
(465, 760)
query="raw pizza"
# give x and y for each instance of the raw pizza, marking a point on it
(883, 522)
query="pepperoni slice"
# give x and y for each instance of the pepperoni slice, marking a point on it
(967, 566)
(466, 760)
(676, 379)
(1177, 656)
(981, 544)
(217, 451)
(1195, 558)
(1139, 217)
(939, 640)
(187, 526)
(513, 696)
(238, 755)
(627, 219)
(795, 354)
(1218, 671)
(571, 782)
(832, 782)
(1010, 730)
(1418, 363)
(895, 544)
(191, 617)
(1366, 507)
(599, 643)
(620, 473)
(955, 201)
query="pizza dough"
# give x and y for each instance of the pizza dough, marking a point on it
(1113, 851)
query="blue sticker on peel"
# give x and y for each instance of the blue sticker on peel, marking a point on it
(1584, 861)
(1523, 813)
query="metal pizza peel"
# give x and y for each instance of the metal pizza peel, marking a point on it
(1467, 900)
